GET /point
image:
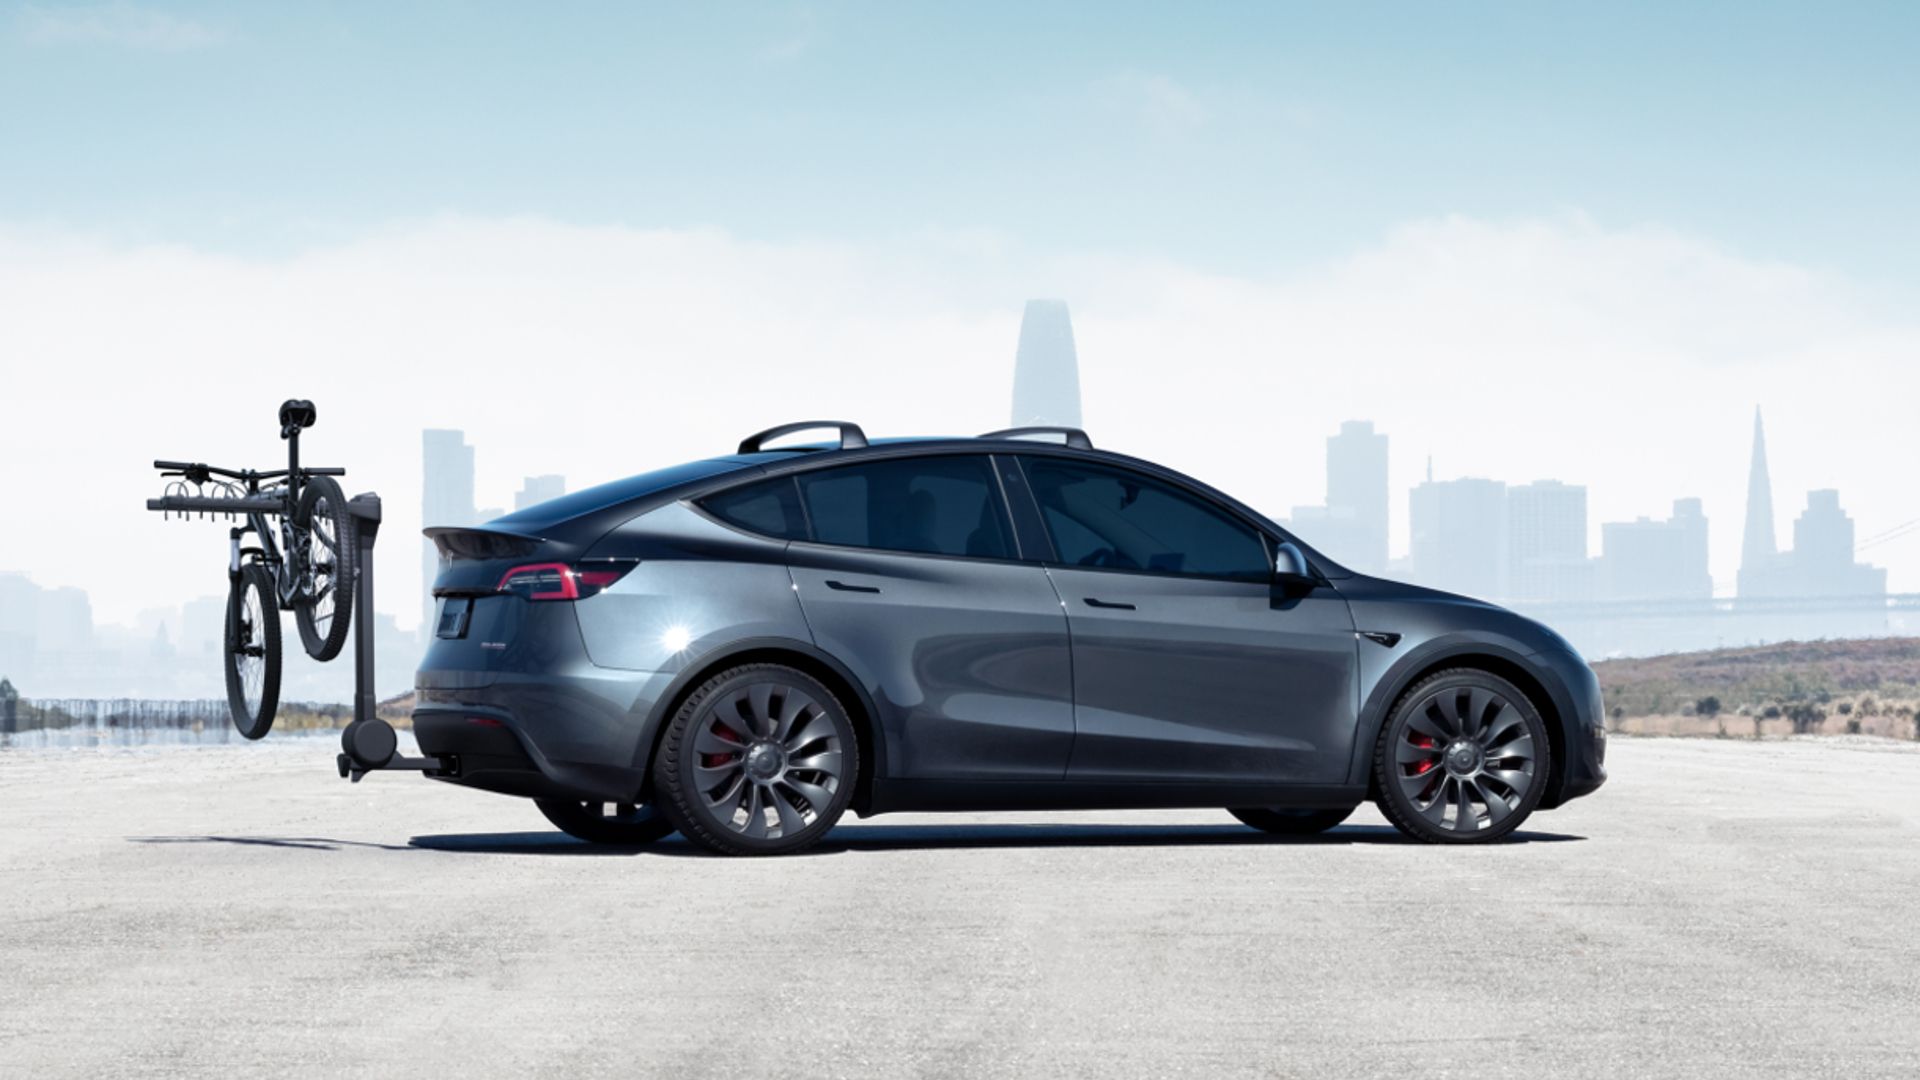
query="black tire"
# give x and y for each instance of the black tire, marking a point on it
(624, 824)
(1288, 822)
(323, 596)
(252, 651)
(754, 741)
(1463, 759)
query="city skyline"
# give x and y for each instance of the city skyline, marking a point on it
(1524, 543)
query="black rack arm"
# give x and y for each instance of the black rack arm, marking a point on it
(368, 743)
(1075, 437)
(851, 437)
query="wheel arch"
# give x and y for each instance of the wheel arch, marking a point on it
(802, 657)
(1493, 660)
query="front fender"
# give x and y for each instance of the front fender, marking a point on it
(1386, 674)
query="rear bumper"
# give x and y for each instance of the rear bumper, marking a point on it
(523, 711)
(489, 753)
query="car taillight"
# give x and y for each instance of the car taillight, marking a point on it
(558, 581)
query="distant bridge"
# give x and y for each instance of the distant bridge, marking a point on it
(1726, 606)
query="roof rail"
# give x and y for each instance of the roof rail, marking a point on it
(1075, 437)
(851, 437)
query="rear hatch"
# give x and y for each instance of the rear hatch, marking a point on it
(503, 603)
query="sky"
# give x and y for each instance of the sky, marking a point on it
(1527, 240)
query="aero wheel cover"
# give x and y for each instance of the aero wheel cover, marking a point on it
(768, 761)
(1466, 759)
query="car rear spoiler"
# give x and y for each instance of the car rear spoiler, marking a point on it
(480, 541)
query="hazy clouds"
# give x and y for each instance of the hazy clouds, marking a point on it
(1627, 359)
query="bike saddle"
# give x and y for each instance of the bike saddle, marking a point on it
(295, 414)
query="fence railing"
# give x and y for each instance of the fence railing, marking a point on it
(204, 719)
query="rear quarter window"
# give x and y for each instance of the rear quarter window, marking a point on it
(768, 508)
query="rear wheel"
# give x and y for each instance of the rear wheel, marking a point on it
(1292, 822)
(252, 643)
(1463, 759)
(606, 823)
(323, 595)
(759, 760)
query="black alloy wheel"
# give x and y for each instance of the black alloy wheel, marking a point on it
(759, 760)
(1463, 759)
(625, 824)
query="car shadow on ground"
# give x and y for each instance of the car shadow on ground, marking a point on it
(956, 837)
(305, 843)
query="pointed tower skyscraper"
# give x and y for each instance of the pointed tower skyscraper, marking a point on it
(1758, 550)
(1046, 370)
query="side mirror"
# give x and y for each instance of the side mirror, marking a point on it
(1291, 571)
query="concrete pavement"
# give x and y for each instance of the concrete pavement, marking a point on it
(1724, 909)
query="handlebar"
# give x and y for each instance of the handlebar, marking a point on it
(190, 467)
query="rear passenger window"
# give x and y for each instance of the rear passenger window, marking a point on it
(770, 508)
(935, 505)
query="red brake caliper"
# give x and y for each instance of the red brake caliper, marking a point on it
(1423, 743)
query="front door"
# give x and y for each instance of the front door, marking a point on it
(1188, 663)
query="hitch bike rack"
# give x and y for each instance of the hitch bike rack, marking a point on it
(368, 743)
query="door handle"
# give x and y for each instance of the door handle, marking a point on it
(841, 586)
(1091, 602)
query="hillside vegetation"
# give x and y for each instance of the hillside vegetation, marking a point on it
(1869, 687)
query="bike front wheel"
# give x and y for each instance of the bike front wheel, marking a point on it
(253, 651)
(323, 568)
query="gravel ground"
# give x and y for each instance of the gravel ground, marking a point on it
(1725, 909)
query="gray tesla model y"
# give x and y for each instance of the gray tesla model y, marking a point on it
(743, 647)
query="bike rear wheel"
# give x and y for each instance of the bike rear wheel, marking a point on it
(324, 568)
(253, 651)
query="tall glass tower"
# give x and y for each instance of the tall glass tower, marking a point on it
(446, 498)
(1046, 370)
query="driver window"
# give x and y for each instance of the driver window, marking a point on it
(1110, 518)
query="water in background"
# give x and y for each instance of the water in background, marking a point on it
(85, 723)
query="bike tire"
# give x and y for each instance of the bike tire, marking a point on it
(325, 572)
(252, 634)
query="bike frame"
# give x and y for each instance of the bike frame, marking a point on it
(285, 585)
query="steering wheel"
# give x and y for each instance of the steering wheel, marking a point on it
(1105, 556)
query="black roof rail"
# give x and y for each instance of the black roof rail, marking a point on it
(851, 437)
(1075, 437)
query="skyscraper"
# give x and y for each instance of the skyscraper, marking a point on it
(538, 489)
(1046, 370)
(1357, 481)
(1648, 560)
(446, 498)
(1547, 542)
(1459, 532)
(1822, 559)
(1757, 551)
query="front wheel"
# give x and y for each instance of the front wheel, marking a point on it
(1285, 822)
(252, 651)
(759, 760)
(625, 824)
(1463, 759)
(323, 568)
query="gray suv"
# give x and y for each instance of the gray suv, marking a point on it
(743, 647)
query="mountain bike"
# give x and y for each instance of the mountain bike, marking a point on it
(308, 568)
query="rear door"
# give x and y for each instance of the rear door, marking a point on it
(1188, 663)
(912, 578)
